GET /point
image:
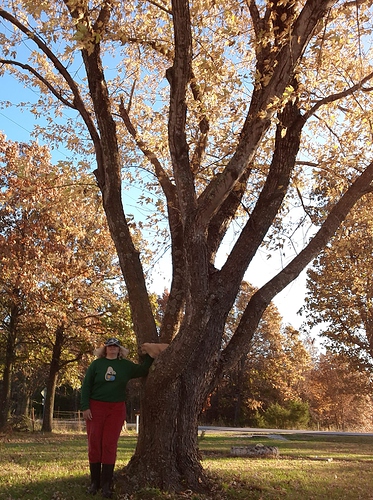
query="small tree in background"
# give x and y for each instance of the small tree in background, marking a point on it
(340, 397)
(292, 415)
(57, 269)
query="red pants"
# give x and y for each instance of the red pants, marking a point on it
(104, 430)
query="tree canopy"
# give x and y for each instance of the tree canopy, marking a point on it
(340, 289)
(247, 116)
(58, 271)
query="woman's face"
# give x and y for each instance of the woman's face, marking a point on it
(112, 351)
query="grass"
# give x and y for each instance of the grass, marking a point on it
(54, 467)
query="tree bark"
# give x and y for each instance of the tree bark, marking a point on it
(6, 386)
(54, 367)
(167, 454)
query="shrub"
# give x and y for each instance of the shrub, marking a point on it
(293, 415)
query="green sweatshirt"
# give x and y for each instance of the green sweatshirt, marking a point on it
(106, 379)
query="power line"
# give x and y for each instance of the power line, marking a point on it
(30, 133)
(15, 123)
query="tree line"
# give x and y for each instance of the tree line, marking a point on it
(60, 284)
(61, 293)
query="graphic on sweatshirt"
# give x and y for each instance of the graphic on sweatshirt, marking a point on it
(110, 374)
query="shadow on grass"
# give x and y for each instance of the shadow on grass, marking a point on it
(238, 479)
(56, 468)
(63, 488)
(288, 482)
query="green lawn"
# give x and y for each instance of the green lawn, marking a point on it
(54, 467)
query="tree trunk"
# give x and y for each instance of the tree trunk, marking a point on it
(6, 386)
(47, 425)
(22, 401)
(240, 373)
(167, 455)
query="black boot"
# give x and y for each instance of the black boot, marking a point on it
(95, 478)
(107, 479)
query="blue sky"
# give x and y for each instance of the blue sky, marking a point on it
(16, 121)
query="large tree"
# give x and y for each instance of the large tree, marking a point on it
(339, 396)
(227, 109)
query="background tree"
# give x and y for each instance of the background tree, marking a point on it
(271, 373)
(339, 395)
(57, 266)
(339, 297)
(233, 108)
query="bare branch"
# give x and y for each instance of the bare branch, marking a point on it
(78, 103)
(257, 21)
(339, 95)
(30, 69)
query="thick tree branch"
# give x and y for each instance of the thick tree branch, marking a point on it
(286, 148)
(220, 222)
(257, 21)
(277, 77)
(261, 299)
(103, 17)
(204, 127)
(62, 364)
(179, 76)
(177, 291)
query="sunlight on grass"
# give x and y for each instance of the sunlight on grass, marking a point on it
(44, 467)
(338, 469)
(55, 467)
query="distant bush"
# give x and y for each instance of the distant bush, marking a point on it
(292, 415)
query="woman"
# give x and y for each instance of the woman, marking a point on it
(104, 408)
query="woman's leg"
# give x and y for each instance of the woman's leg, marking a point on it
(95, 470)
(115, 418)
(95, 431)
